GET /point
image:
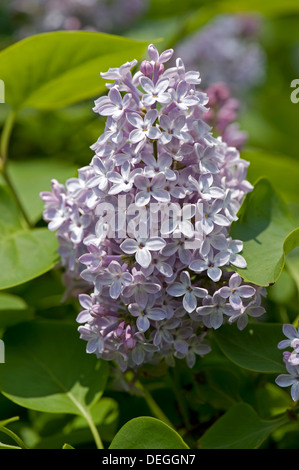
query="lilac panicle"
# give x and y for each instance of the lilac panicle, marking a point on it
(144, 229)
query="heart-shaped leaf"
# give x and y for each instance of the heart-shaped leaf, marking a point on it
(268, 232)
(30, 177)
(53, 70)
(47, 369)
(147, 433)
(25, 254)
(239, 428)
(254, 348)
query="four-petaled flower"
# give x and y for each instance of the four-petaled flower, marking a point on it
(235, 291)
(142, 248)
(189, 293)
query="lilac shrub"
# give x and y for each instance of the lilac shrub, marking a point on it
(92, 15)
(227, 49)
(144, 228)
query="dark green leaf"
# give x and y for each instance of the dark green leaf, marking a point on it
(26, 254)
(147, 433)
(53, 70)
(30, 177)
(239, 428)
(47, 369)
(268, 232)
(13, 310)
(282, 171)
(254, 348)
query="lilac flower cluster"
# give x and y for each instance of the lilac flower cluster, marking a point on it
(227, 49)
(144, 228)
(291, 360)
(222, 115)
(95, 15)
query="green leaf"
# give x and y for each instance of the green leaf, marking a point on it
(147, 433)
(25, 253)
(53, 70)
(211, 9)
(268, 232)
(30, 177)
(282, 171)
(67, 446)
(47, 369)
(254, 348)
(239, 428)
(104, 415)
(13, 310)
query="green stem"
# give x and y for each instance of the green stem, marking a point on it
(153, 406)
(5, 138)
(13, 436)
(155, 148)
(16, 197)
(94, 431)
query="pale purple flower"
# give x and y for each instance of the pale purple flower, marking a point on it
(213, 308)
(148, 189)
(212, 215)
(94, 258)
(112, 105)
(293, 337)
(119, 73)
(177, 246)
(185, 289)
(141, 289)
(144, 128)
(290, 380)
(124, 181)
(204, 187)
(91, 308)
(142, 248)
(211, 264)
(77, 225)
(58, 214)
(235, 247)
(179, 220)
(215, 239)
(115, 277)
(208, 158)
(161, 165)
(100, 178)
(253, 309)
(173, 128)
(92, 333)
(235, 291)
(155, 92)
(144, 315)
(182, 98)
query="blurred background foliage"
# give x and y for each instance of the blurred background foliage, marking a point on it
(53, 144)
